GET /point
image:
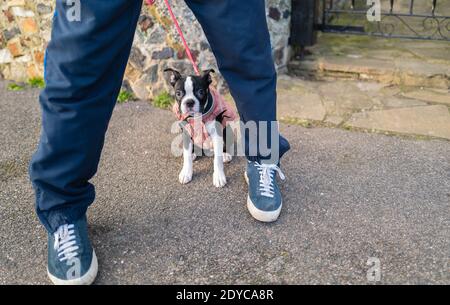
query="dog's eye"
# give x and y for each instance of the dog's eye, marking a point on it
(201, 92)
(179, 94)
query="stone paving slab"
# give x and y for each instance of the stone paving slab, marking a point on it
(398, 102)
(442, 97)
(426, 120)
(307, 106)
(365, 104)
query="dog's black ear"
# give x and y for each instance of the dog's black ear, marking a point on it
(207, 75)
(172, 75)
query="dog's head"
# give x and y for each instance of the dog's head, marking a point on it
(191, 92)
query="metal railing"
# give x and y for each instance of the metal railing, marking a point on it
(397, 19)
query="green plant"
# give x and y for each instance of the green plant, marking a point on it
(36, 82)
(15, 87)
(125, 96)
(163, 100)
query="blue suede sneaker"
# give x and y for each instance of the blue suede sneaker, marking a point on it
(71, 258)
(264, 197)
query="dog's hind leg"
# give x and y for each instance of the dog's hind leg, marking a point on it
(228, 141)
(219, 179)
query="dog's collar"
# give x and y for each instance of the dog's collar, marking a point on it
(209, 104)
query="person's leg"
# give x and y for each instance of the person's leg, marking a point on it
(238, 34)
(239, 38)
(84, 67)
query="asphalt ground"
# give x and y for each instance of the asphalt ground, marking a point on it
(349, 197)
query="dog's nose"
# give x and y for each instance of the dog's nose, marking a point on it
(190, 103)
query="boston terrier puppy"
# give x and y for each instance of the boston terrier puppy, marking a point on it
(203, 115)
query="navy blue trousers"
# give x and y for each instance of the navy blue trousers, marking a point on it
(84, 68)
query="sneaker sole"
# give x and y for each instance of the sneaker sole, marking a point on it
(263, 216)
(86, 279)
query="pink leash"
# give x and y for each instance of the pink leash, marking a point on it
(180, 32)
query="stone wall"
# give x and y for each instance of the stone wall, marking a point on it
(25, 31)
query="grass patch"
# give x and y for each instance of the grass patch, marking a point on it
(163, 100)
(125, 96)
(36, 82)
(15, 87)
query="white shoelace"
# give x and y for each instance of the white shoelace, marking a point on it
(65, 243)
(266, 178)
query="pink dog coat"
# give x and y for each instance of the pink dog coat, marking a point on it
(195, 126)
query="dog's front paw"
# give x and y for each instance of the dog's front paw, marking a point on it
(219, 179)
(185, 176)
(227, 157)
